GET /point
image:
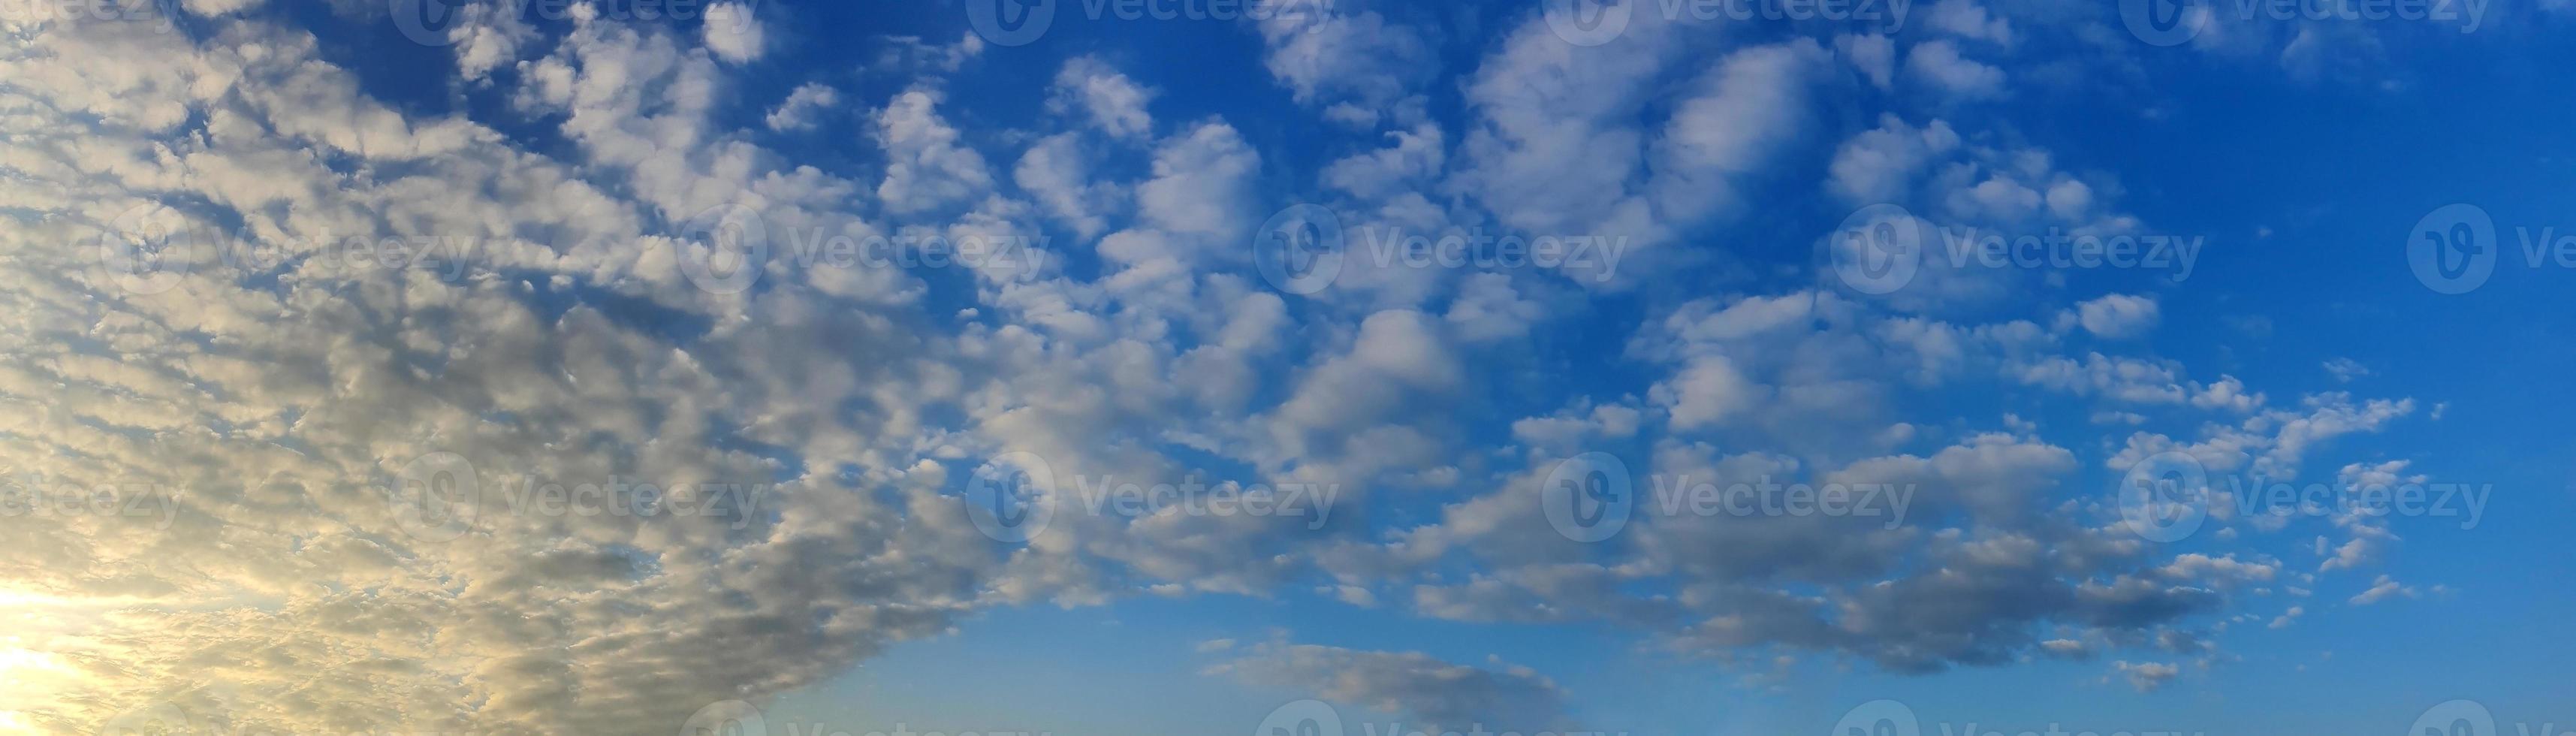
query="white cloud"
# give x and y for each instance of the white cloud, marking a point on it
(733, 32)
(1938, 63)
(1744, 110)
(1708, 391)
(574, 346)
(803, 107)
(1444, 696)
(1359, 60)
(1107, 99)
(2382, 588)
(1874, 55)
(927, 168)
(2346, 370)
(2147, 677)
(1057, 171)
(1967, 19)
(1879, 165)
(2118, 316)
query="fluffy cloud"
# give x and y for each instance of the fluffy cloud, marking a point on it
(559, 329)
(1940, 64)
(801, 108)
(734, 33)
(1439, 694)
(1109, 100)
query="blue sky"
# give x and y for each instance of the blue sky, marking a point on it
(844, 367)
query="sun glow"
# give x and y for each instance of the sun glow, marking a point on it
(31, 677)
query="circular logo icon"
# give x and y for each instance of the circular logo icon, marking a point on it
(2164, 22)
(1588, 23)
(436, 497)
(725, 718)
(723, 249)
(147, 248)
(1878, 249)
(2453, 249)
(1588, 497)
(1302, 718)
(2165, 497)
(1299, 250)
(1879, 718)
(1010, 497)
(1010, 22)
(156, 719)
(2455, 718)
(429, 22)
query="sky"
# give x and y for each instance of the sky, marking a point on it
(1286, 367)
